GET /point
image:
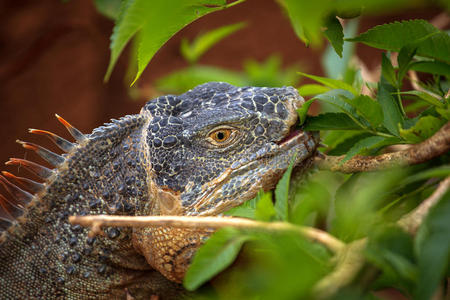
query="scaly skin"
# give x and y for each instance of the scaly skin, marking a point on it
(199, 153)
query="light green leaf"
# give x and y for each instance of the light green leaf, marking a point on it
(392, 115)
(264, 207)
(188, 78)
(215, 255)
(312, 89)
(332, 83)
(157, 21)
(306, 18)
(369, 143)
(193, 51)
(334, 33)
(303, 111)
(245, 210)
(282, 194)
(331, 121)
(368, 108)
(423, 129)
(433, 67)
(425, 97)
(393, 36)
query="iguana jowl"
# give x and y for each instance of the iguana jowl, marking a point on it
(199, 153)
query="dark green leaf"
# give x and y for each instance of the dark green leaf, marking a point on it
(433, 67)
(404, 58)
(215, 255)
(392, 116)
(425, 97)
(302, 111)
(391, 250)
(442, 172)
(387, 70)
(423, 129)
(393, 36)
(331, 121)
(334, 33)
(369, 143)
(108, 8)
(368, 108)
(192, 52)
(347, 140)
(282, 194)
(433, 247)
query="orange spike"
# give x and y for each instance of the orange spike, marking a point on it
(28, 184)
(20, 196)
(39, 170)
(77, 135)
(52, 158)
(63, 144)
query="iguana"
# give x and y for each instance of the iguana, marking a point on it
(199, 153)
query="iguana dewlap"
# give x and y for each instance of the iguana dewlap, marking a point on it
(199, 153)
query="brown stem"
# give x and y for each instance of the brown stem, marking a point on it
(435, 146)
(314, 234)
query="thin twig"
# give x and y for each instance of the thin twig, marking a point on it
(435, 146)
(411, 221)
(314, 234)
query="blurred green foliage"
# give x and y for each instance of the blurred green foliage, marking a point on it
(356, 118)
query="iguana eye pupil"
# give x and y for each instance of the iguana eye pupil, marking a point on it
(220, 135)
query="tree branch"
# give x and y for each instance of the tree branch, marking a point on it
(435, 146)
(313, 234)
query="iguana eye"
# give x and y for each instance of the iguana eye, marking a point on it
(221, 136)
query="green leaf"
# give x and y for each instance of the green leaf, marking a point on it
(282, 194)
(270, 73)
(369, 143)
(215, 255)
(331, 121)
(440, 172)
(432, 67)
(344, 141)
(108, 8)
(302, 111)
(188, 78)
(368, 108)
(391, 250)
(433, 248)
(312, 89)
(425, 97)
(404, 58)
(387, 70)
(306, 18)
(264, 207)
(393, 36)
(335, 34)
(341, 99)
(392, 116)
(157, 21)
(423, 129)
(245, 210)
(332, 83)
(192, 52)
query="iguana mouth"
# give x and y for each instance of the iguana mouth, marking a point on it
(294, 131)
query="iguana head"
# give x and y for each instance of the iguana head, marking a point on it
(217, 145)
